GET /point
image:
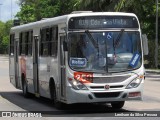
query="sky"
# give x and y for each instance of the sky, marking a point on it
(5, 9)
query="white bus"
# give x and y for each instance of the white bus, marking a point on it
(85, 57)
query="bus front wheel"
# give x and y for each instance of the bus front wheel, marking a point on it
(117, 105)
(59, 105)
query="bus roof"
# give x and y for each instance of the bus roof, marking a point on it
(64, 18)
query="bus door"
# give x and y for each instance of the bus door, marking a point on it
(16, 49)
(62, 67)
(35, 66)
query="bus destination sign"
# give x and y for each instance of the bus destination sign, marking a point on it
(102, 22)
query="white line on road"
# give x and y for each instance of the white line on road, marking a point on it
(4, 61)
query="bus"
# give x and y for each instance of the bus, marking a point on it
(82, 57)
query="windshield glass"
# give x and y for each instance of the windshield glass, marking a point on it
(104, 51)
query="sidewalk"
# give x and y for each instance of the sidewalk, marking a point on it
(8, 106)
(152, 71)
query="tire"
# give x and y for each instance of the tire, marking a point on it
(117, 105)
(26, 94)
(59, 105)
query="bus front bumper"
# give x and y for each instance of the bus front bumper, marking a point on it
(87, 96)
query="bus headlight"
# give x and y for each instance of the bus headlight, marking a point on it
(135, 83)
(77, 85)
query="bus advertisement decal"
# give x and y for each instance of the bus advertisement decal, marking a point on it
(23, 65)
(135, 59)
(84, 77)
(78, 62)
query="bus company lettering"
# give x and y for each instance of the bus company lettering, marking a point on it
(79, 62)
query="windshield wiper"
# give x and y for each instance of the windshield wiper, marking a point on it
(95, 44)
(117, 41)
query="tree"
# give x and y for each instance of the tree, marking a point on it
(4, 36)
(33, 10)
(97, 5)
(2, 27)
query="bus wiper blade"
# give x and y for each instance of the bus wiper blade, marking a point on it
(117, 41)
(95, 44)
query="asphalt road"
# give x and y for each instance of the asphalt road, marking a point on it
(12, 99)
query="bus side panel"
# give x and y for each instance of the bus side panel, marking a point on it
(12, 70)
(16, 81)
(53, 71)
(29, 73)
(43, 76)
(47, 70)
(62, 69)
(48, 67)
(19, 81)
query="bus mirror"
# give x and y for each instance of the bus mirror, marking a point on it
(145, 44)
(65, 48)
(36, 37)
(16, 22)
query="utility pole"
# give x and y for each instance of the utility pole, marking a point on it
(0, 10)
(11, 10)
(156, 40)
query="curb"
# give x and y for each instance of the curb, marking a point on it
(153, 71)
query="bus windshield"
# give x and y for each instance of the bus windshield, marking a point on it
(114, 51)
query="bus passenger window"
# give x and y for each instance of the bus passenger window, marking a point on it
(20, 44)
(26, 42)
(45, 35)
(49, 41)
(12, 44)
(30, 38)
(54, 41)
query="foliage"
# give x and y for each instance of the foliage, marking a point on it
(95, 5)
(33, 10)
(4, 36)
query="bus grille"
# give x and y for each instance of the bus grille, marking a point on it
(110, 79)
(102, 87)
(106, 95)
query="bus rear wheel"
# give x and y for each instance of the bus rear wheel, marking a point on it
(26, 94)
(117, 105)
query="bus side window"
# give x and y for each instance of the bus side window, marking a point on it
(23, 43)
(26, 42)
(54, 41)
(30, 39)
(41, 44)
(49, 41)
(20, 44)
(44, 42)
(12, 44)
